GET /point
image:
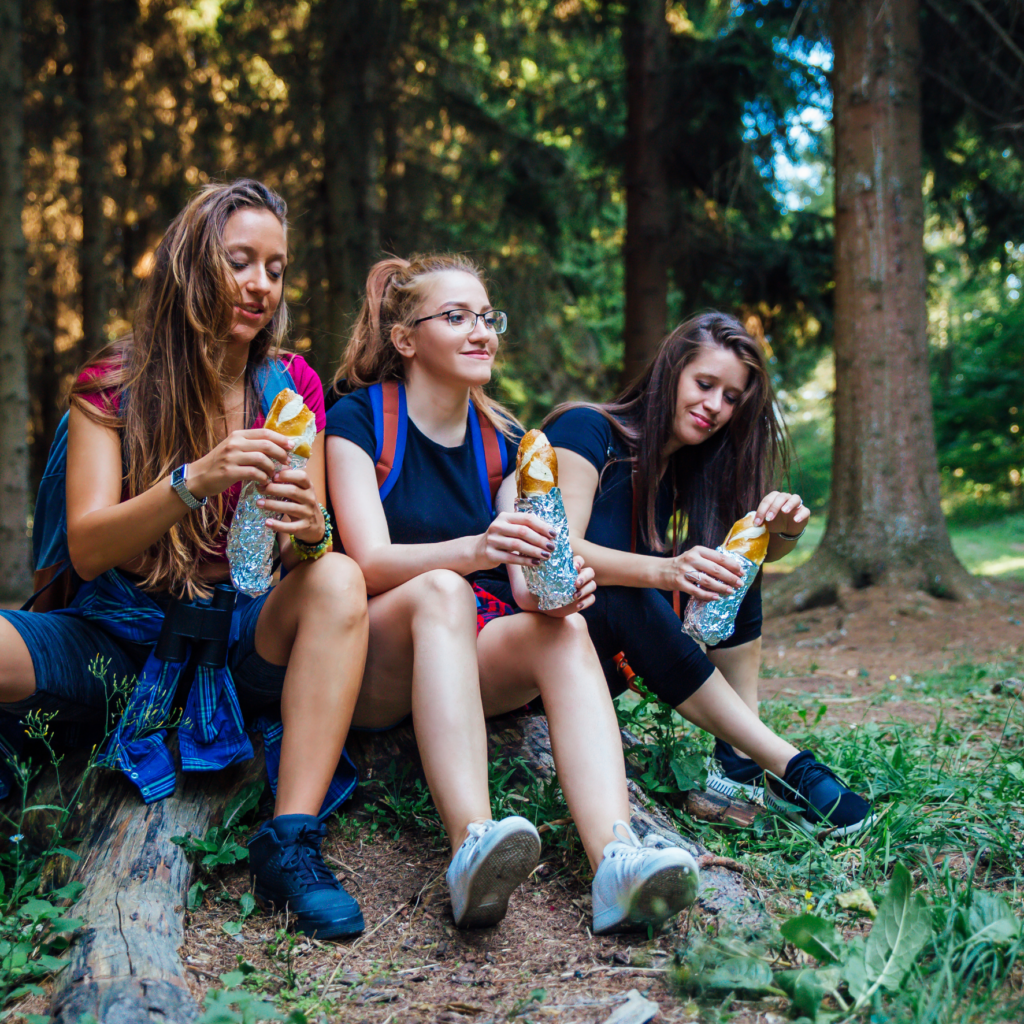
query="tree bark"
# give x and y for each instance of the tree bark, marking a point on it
(885, 523)
(355, 45)
(15, 577)
(92, 253)
(645, 44)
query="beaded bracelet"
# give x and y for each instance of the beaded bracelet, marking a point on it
(311, 552)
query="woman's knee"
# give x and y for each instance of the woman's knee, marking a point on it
(444, 594)
(335, 589)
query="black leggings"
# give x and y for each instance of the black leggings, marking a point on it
(642, 624)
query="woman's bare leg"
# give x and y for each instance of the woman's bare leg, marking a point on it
(718, 709)
(314, 621)
(741, 666)
(526, 654)
(423, 659)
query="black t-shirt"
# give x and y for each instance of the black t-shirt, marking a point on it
(437, 495)
(587, 433)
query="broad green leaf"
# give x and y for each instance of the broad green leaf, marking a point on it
(247, 904)
(743, 975)
(242, 803)
(232, 927)
(899, 933)
(804, 988)
(195, 894)
(813, 935)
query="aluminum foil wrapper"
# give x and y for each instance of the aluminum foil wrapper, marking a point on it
(251, 541)
(711, 622)
(554, 582)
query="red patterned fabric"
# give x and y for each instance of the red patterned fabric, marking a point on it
(489, 607)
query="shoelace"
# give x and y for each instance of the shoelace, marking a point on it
(305, 859)
(629, 839)
(804, 776)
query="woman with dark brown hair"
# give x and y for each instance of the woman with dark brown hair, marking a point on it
(165, 427)
(689, 448)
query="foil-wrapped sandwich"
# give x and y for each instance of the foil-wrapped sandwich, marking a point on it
(553, 583)
(711, 622)
(250, 540)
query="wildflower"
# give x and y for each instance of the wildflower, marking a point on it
(17, 839)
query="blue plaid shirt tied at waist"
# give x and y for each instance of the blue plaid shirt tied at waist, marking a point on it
(211, 733)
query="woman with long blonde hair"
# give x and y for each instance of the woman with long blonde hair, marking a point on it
(165, 427)
(445, 645)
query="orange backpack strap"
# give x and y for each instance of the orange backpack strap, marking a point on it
(490, 453)
(493, 452)
(390, 424)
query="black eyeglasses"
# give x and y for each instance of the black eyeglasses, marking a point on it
(464, 320)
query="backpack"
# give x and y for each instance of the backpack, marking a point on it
(55, 581)
(391, 424)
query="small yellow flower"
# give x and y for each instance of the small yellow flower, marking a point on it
(892, 679)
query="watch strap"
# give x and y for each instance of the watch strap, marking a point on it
(179, 480)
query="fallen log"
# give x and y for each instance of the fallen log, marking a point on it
(125, 967)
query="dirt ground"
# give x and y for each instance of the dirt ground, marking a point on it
(542, 962)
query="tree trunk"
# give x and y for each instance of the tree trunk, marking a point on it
(885, 523)
(645, 43)
(14, 467)
(92, 252)
(356, 41)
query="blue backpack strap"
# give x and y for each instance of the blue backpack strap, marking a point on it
(390, 428)
(272, 377)
(491, 456)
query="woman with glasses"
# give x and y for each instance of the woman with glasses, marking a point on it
(442, 647)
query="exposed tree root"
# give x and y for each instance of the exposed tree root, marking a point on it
(829, 575)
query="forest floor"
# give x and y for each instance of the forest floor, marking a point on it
(883, 664)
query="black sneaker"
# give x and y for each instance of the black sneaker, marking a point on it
(811, 795)
(288, 872)
(734, 776)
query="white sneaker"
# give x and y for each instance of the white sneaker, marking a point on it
(492, 862)
(637, 885)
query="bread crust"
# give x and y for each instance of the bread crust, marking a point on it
(536, 465)
(747, 539)
(299, 421)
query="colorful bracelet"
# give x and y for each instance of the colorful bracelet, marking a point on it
(311, 552)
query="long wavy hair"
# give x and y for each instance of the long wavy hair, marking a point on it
(395, 288)
(166, 373)
(718, 481)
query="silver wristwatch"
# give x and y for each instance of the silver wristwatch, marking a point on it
(178, 478)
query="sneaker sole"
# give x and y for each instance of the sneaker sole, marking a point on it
(340, 929)
(727, 787)
(773, 803)
(498, 875)
(660, 897)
